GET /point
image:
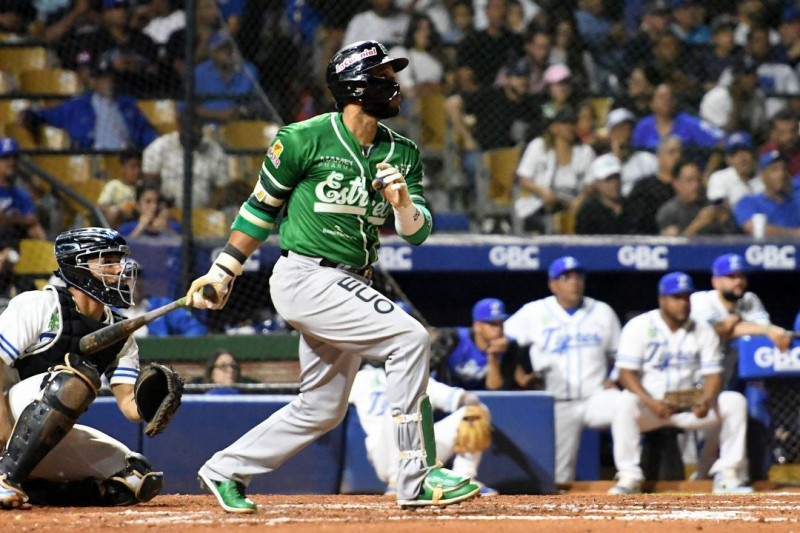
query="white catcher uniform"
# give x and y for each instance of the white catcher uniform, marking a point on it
(668, 361)
(30, 325)
(372, 404)
(572, 352)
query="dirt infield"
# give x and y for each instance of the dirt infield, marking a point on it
(379, 514)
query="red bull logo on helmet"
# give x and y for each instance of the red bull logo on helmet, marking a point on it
(369, 52)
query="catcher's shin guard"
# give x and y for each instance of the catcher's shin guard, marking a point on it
(66, 394)
(427, 439)
(137, 483)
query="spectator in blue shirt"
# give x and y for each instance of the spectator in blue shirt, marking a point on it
(664, 122)
(18, 218)
(776, 202)
(224, 75)
(99, 119)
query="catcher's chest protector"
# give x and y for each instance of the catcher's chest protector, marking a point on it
(73, 325)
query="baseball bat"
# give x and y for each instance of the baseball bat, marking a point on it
(105, 337)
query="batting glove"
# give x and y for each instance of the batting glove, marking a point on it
(213, 290)
(387, 174)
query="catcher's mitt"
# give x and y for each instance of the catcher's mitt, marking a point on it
(683, 399)
(157, 392)
(474, 431)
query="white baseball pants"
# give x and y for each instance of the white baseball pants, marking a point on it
(571, 416)
(341, 320)
(632, 419)
(84, 451)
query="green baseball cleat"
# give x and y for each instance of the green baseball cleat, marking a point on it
(443, 487)
(229, 494)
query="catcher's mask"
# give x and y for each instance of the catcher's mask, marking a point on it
(111, 278)
(349, 79)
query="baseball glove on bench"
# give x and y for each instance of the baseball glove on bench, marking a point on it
(684, 399)
(157, 392)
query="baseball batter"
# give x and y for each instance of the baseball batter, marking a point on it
(663, 350)
(338, 176)
(39, 337)
(572, 338)
(370, 399)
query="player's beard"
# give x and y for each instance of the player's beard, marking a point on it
(731, 296)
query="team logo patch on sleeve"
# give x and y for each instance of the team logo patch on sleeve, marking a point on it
(274, 153)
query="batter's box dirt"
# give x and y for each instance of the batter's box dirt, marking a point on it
(379, 514)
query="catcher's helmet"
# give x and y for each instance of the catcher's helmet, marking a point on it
(73, 250)
(349, 80)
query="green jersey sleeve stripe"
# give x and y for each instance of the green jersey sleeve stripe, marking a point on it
(256, 232)
(423, 232)
(263, 195)
(255, 218)
(273, 180)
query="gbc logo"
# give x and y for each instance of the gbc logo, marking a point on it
(515, 257)
(395, 258)
(643, 257)
(769, 357)
(771, 256)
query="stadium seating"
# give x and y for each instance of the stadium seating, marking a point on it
(245, 167)
(501, 166)
(8, 82)
(21, 134)
(66, 168)
(19, 59)
(162, 114)
(35, 257)
(247, 134)
(55, 81)
(10, 109)
(433, 122)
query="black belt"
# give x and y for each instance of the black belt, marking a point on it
(363, 272)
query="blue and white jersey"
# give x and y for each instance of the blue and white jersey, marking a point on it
(32, 322)
(571, 350)
(668, 360)
(708, 307)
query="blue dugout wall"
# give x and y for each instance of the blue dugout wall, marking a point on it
(520, 460)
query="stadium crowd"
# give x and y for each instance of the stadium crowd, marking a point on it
(663, 117)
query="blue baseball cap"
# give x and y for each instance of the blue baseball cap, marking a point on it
(773, 156)
(675, 283)
(563, 264)
(489, 310)
(728, 264)
(8, 147)
(790, 14)
(738, 140)
(113, 4)
(219, 39)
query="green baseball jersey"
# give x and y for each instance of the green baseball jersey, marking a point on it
(318, 171)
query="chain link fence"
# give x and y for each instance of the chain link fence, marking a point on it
(512, 102)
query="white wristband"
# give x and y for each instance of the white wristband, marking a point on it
(408, 220)
(231, 263)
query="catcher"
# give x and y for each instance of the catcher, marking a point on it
(465, 432)
(56, 383)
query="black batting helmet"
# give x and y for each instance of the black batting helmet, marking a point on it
(74, 248)
(349, 80)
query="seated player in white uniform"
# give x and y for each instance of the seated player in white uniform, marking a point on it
(572, 339)
(39, 340)
(663, 350)
(733, 312)
(369, 397)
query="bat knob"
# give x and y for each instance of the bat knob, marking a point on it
(209, 293)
